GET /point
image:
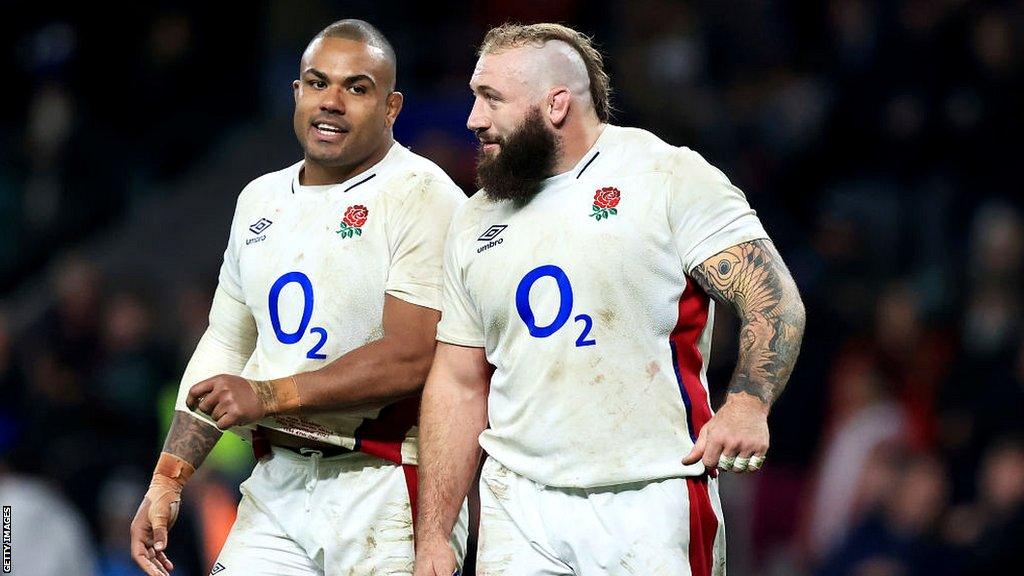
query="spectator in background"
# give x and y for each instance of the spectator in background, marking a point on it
(132, 368)
(864, 417)
(898, 538)
(49, 536)
(991, 529)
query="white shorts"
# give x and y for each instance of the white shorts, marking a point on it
(671, 526)
(309, 515)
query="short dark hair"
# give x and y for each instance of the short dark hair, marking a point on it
(361, 31)
(512, 35)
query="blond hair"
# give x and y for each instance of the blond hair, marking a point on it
(511, 35)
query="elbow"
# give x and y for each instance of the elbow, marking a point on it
(798, 314)
(414, 366)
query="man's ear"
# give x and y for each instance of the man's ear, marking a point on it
(393, 107)
(558, 101)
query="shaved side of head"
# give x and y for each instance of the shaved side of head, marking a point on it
(556, 55)
(363, 31)
(556, 63)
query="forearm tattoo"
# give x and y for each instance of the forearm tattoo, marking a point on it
(190, 439)
(752, 278)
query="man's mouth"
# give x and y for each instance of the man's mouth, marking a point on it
(328, 131)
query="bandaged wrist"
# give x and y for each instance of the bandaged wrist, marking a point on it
(278, 396)
(164, 494)
(172, 470)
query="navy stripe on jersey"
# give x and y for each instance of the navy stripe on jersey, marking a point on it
(587, 165)
(363, 181)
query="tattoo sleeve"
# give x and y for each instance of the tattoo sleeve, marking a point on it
(752, 279)
(190, 438)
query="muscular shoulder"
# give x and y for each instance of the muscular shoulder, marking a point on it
(645, 152)
(413, 178)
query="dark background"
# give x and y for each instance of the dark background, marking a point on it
(876, 140)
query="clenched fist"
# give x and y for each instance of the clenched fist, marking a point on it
(228, 400)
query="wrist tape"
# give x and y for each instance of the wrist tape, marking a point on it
(169, 477)
(279, 396)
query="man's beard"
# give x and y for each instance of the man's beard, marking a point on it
(524, 160)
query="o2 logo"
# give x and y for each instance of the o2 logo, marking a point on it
(564, 305)
(307, 314)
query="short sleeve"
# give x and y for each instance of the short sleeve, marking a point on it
(416, 234)
(461, 322)
(230, 278)
(707, 214)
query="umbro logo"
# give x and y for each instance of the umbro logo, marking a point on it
(490, 236)
(257, 228)
(492, 232)
(260, 225)
(218, 567)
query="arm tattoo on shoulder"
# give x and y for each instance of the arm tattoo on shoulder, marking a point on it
(190, 439)
(753, 280)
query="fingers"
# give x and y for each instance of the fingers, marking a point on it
(164, 561)
(197, 392)
(226, 420)
(209, 403)
(713, 452)
(756, 462)
(144, 556)
(698, 448)
(717, 448)
(745, 460)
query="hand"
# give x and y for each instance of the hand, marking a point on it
(228, 400)
(435, 560)
(149, 537)
(736, 436)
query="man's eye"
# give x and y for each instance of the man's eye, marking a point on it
(358, 89)
(318, 84)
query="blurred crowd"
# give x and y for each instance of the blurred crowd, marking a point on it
(874, 138)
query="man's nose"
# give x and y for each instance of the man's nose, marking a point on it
(478, 119)
(333, 101)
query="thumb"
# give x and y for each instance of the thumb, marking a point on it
(162, 513)
(160, 536)
(698, 448)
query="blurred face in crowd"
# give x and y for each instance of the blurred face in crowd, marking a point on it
(518, 146)
(345, 107)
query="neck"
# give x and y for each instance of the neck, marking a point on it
(577, 139)
(314, 173)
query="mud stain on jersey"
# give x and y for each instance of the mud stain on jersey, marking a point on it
(607, 317)
(556, 371)
(652, 370)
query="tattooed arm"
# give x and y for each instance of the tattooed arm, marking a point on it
(752, 279)
(225, 347)
(190, 438)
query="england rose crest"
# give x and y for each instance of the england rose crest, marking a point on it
(352, 223)
(605, 201)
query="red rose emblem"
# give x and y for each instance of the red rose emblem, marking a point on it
(356, 215)
(607, 198)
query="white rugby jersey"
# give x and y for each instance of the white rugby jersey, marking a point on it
(313, 263)
(581, 299)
